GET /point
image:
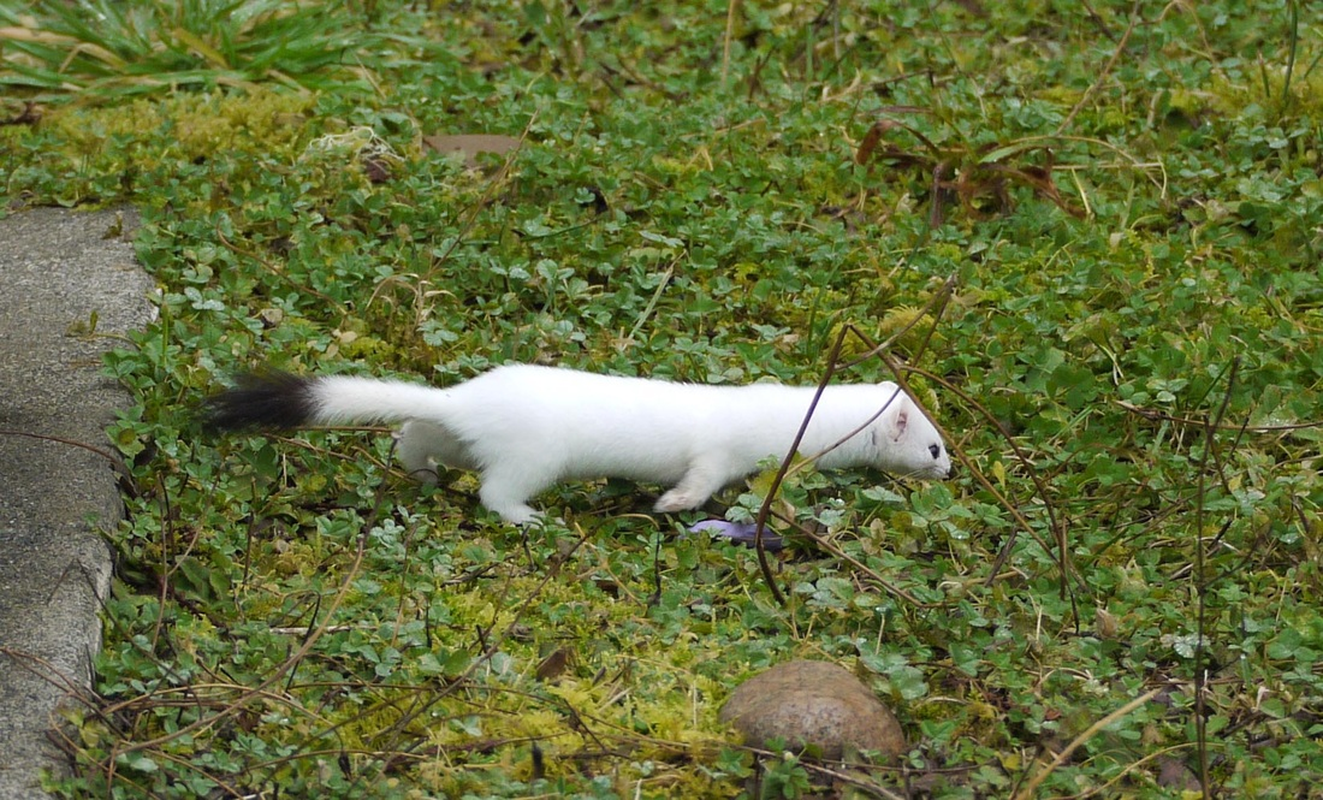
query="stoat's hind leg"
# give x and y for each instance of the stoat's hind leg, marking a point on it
(425, 449)
(698, 484)
(506, 489)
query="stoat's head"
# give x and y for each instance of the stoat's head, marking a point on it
(907, 442)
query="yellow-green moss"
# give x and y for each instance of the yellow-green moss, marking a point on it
(198, 125)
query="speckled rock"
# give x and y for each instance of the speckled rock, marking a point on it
(813, 703)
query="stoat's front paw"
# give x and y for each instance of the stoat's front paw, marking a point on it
(676, 500)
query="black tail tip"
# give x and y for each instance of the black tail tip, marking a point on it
(264, 399)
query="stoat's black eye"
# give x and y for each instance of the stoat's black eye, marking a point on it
(935, 449)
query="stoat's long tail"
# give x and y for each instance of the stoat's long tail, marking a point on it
(274, 400)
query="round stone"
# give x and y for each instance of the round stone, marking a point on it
(813, 703)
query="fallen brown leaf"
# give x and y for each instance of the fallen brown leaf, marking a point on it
(471, 144)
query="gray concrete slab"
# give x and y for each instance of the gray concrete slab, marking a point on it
(57, 268)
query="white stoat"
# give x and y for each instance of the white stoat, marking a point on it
(524, 428)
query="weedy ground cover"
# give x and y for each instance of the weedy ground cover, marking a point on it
(1088, 233)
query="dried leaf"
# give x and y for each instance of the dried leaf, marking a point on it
(471, 144)
(869, 144)
(555, 664)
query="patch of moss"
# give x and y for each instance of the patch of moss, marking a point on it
(185, 127)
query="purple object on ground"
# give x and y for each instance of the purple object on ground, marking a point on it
(742, 532)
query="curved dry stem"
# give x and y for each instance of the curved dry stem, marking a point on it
(831, 547)
(1063, 551)
(1106, 70)
(1027, 791)
(936, 303)
(473, 211)
(331, 302)
(1201, 579)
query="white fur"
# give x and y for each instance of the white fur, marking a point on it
(525, 428)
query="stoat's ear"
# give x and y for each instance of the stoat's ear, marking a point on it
(900, 418)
